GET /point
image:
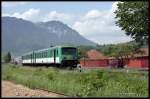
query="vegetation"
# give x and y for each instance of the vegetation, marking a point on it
(133, 17)
(89, 83)
(82, 51)
(122, 51)
(7, 57)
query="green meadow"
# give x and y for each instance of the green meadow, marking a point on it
(88, 83)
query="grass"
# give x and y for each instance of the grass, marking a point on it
(89, 83)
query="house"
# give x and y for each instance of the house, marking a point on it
(98, 59)
(95, 59)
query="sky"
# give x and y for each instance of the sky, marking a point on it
(93, 20)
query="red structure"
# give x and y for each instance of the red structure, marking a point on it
(94, 62)
(138, 62)
(97, 59)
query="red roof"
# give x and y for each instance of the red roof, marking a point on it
(94, 54)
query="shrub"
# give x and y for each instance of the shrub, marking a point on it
(50, 76)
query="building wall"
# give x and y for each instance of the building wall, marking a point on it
(140, 62)
(94, 63)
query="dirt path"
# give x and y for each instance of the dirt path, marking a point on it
(10, 89)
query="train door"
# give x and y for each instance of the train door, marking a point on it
(54, 56)
(31, 58)
(35, 58)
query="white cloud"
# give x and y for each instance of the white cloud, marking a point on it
(35, 15)
(5, 14)
(97, 25)
(54, 15)
(93, 14)
(13, 4)
(31, 15)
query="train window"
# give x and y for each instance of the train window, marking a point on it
(67, 51)
(46, 53)
(56, 52)
(51, 53)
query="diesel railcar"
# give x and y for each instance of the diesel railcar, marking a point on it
(58, 55)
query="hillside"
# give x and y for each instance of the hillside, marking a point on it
(20, 36)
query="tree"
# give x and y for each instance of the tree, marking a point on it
(133, 18)
(123, 52)
(82, 53)
(7, 57)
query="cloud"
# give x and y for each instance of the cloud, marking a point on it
(35, 15)
(31, 15)
(5, 14)
(54, 15)
(13, 4)
(93, 14)
(99, 25)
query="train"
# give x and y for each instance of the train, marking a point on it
(61, 56)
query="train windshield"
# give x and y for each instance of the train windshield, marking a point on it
(69, 51)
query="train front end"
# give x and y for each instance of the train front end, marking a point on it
(69, 56)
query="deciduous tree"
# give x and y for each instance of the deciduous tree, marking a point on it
(133, 18)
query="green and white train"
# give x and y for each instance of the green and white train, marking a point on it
(58, 55)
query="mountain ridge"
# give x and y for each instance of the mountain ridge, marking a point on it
(20, 36)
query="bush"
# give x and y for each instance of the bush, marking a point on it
(50, 76)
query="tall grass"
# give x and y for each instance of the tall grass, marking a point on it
(96, 83)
